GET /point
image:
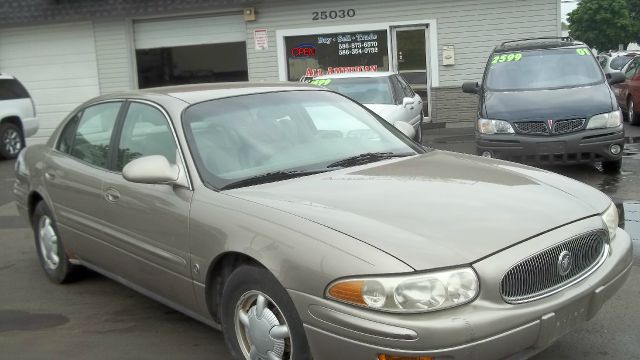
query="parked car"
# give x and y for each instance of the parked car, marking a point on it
(17, 116)
(250, 208)
(387, 94)
(628, 92)
(614, 61)
(547, 101)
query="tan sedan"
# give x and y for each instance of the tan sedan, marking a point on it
(304, 226)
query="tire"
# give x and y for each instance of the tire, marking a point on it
(240, 300)
(612, 167)
(11, 140)
(51, 252)
(634, 118)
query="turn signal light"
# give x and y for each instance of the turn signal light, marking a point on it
(349, 291)
(394, 357)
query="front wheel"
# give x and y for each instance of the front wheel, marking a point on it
(612, 167)
(51, 253)
(11, 140)
(259, 319)
(418, 137)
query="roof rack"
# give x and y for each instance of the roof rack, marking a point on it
(561, 38)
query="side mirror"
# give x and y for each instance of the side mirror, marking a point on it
(153, 169)
(405, 128)
(408, 101)
(616, 78)
(471, 87)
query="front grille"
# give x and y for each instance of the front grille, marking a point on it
(539, 275)
(531, 127)
(565, 126)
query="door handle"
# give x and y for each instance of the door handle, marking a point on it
(112, 195)
(49, 175)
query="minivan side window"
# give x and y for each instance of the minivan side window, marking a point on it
(631, 70)
(11, 89)
(145, 132)
(93, 134)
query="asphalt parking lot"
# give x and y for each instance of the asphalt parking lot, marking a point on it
(96, 318)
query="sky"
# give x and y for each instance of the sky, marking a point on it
(567, 7)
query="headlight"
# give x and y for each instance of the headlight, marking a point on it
(608, 120)
(610, 218)
(408, 293)
(486, 126)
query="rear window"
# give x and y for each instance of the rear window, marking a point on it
(365, 90)
(11, 89)
(620, 61)
(542, 69)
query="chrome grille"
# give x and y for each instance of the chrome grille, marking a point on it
(565, 126)
(539, 275)
(531, 127)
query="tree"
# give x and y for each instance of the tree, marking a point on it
(603, 24)
(634, 12)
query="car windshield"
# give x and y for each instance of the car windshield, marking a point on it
(365, 90)
(620, 61)
(238, 138)
(542, 69)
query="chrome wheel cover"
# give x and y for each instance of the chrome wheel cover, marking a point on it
(48, 240)
(261, 329)
(11, 141)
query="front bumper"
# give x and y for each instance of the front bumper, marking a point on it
(578, 147)
(487, 328)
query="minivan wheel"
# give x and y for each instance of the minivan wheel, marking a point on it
(612, 167)
(11, 140)
(51, 253)
(634, 119)
(259, 320)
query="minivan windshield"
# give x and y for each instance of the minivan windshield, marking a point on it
(542, 69)
(286, 133)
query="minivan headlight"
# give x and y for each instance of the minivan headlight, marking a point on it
(607, 120)
(610, 218)
(412, 293)
(486, 126)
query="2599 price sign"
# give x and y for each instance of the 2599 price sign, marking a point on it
(333, 14)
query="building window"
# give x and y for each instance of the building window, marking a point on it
(323, 54)
(192, 64)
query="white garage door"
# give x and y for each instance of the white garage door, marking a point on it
(56, 63)
(158, 33)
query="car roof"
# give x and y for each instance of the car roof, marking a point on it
(364, 74)
(538, 44)
(195, 93)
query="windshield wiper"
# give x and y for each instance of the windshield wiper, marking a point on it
(271, 177)
(366, 158)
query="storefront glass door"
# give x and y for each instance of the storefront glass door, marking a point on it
(410, 54)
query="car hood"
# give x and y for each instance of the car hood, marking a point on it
(571, 103)
(383, 110)
(436, 209)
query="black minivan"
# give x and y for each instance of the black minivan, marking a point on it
(547, 101)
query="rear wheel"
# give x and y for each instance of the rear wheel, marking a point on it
(633, 117)
(259, 319)
(11, 140)
(51, 253)
(612, 167)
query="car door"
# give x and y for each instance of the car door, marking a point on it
(633, 84)
(73, 175)
(148, 223)
(624, 89)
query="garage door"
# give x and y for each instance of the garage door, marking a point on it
(188, 50)
(56, 63)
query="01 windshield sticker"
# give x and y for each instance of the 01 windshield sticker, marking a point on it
(321, 82)
(582, 51)
(506, 58)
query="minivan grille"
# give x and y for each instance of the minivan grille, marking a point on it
(531, 127)
(541, 127)
(542, 274)
(565, 126)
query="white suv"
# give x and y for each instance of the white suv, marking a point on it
(17, 116)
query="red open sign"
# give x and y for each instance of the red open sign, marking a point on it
(303, 51)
